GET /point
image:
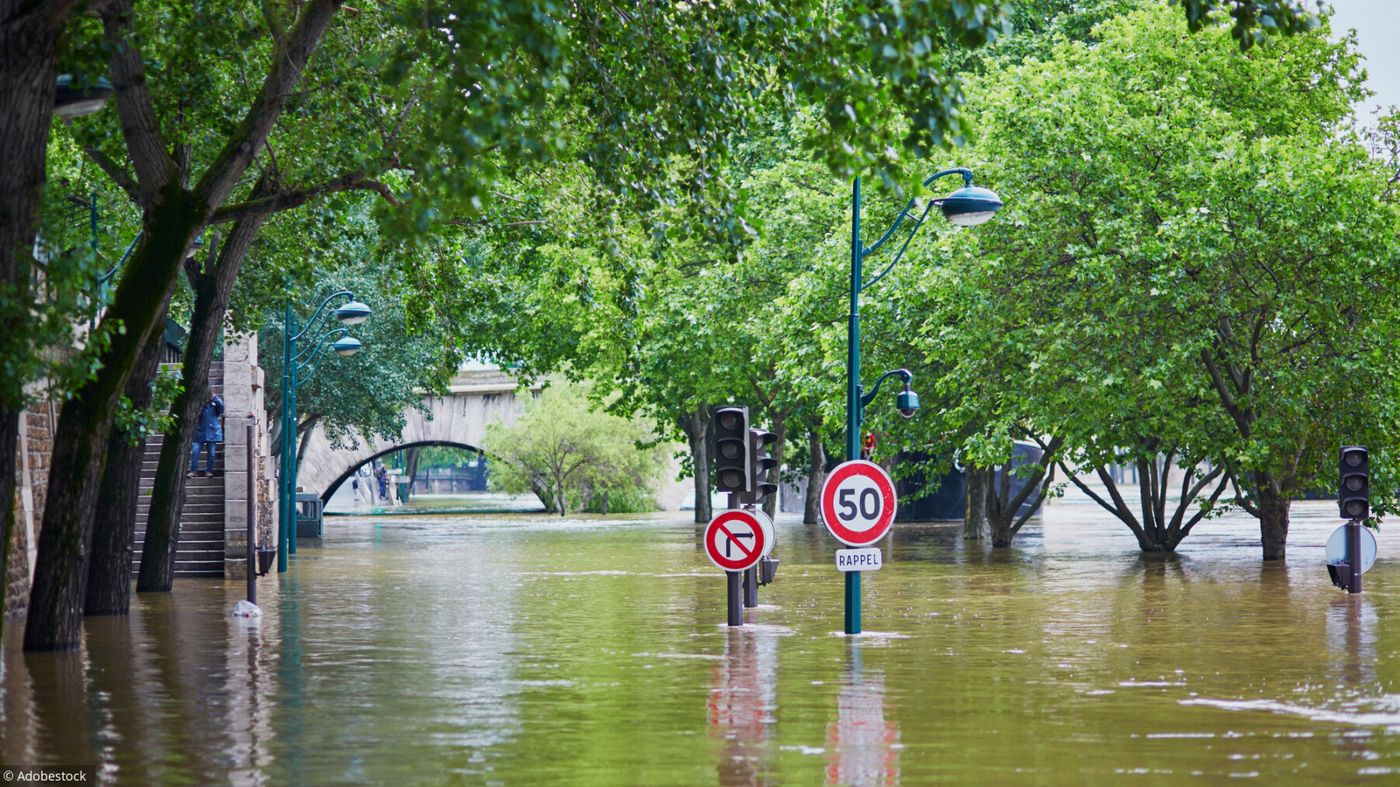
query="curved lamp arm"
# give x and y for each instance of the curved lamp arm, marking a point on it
(320, 346)
(326, 333)
(919, 222)
(903, 374)
(320, 309)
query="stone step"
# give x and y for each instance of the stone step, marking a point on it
(213, 527)
(208, 491)
(203, 522)
(191, 508)
(149, 474)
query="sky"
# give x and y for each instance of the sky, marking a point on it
(1377, 25)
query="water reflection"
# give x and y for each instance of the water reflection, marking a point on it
(743, 692)
(1351, 634)
(176, 692)
(862, 746)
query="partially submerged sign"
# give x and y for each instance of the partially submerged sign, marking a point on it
(1337, 547)
(735, 540)
(859, 559)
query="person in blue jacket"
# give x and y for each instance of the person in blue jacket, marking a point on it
(208, 430)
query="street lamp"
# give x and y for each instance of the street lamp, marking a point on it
(969, 206)
(293, 361)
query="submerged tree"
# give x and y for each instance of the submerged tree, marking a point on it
(574, 457)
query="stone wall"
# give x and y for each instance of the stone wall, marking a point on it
(243, 404)
(31, 485)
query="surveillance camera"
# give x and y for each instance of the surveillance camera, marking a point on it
(907, 403)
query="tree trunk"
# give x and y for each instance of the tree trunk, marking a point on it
(1001, 530)
(697, 430)
(114, 524)
(816, 476)
(211, 294)
(770, 505)
(411, 470)
(1273, 520)
(80, 445)
(975, 512)
(560, 501)
(30, 35)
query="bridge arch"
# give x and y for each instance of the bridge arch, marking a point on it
(477, 396)
(350, 472)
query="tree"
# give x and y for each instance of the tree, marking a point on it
(173, 215)
(1179, 276)
(572, 456)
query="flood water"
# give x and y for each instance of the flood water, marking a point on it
(528, 650)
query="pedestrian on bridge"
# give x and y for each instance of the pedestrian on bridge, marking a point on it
(208, 431)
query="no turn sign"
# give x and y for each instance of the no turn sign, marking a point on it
(735, 540)
(858, 503)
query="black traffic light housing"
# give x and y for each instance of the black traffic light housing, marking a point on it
(730, 426)
(762, 464)
(1354, 490)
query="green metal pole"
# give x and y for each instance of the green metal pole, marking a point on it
(853, 414)
(287, 361)
(292, 459)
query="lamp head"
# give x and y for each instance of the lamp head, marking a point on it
(72, 100)
(352, 313)
(346, 346)
(907, 402)
(971, 205)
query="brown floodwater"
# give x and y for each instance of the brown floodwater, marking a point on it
(527, 650)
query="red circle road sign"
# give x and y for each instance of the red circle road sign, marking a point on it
(735, 540)
(858, 503)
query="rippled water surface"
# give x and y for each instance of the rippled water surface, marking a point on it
(512, 649)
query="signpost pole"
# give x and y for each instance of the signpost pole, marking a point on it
(853, 414)
(1354, 557)
(736, 608)
(735, 578)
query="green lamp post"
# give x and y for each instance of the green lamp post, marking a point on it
(969, 206)
(293, 362)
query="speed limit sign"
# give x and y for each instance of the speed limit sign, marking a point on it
(858, 503)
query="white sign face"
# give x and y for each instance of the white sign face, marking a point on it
(858, 503)
(769, 534)
(1337, 547)
(859, 559)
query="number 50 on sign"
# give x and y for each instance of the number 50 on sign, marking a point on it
(858, 503)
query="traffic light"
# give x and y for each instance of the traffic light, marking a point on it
(1354, 494)
(764, 475)
(731, 430)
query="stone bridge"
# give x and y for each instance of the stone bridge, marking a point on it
(478, 396)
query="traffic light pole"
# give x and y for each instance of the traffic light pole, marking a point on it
(1354, 555)
(853, 413)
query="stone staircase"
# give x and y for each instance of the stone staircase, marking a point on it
(200, 552)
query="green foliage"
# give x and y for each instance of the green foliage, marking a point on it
(1185, 265)
(137, 424)
(573, 456)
